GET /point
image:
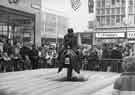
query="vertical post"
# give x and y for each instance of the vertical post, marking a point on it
(57, 32)
(127, 5)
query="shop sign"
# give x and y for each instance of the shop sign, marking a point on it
(131, 41)
(13, 1)
(110, 35)
(131, 35)
(35, 6)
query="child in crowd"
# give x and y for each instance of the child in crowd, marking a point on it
(125, 84)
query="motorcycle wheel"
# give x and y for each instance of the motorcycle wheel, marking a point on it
(69, 73)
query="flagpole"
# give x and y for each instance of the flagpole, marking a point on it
(56, 31)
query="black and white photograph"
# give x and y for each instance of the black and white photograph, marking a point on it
(67, 47)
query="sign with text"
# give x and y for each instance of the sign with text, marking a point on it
(131, 35)
(110, 35)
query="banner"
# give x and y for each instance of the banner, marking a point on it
(91, 6)
(75, 4)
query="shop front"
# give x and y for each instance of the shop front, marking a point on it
(110, 38)
(131, 37)
(16, 26)
(20, 21)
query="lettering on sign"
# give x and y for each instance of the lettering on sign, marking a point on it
(131, 35)
(35, 6)
(110, 35)
(13, 1)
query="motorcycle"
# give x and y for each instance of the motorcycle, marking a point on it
(69, 67)
(68, 62)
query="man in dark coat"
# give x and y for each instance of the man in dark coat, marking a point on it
(70, 40)
(116, 54)
(34, 57)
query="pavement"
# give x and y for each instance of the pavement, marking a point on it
(49, 82)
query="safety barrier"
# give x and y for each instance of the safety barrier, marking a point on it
(112, 65)
(11, 65)
(109, 65)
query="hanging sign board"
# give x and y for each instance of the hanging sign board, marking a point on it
(110, 35)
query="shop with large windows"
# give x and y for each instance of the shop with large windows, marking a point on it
(16, 25)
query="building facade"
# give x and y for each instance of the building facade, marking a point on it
(115, 20)
(55, 21)
(20, 20)
(55, 27)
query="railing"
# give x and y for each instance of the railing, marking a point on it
(109, 65)
(20, 64)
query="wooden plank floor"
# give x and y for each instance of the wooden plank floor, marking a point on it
(48, 82)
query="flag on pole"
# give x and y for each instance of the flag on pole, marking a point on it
(91, 6)
(75, 4)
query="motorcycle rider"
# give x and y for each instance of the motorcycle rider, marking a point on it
(70, 40)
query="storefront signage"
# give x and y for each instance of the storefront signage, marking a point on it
(35, 6)
(13, 1)
(131, 35)
(110, 35)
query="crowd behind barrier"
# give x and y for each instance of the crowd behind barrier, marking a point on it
(25, 57)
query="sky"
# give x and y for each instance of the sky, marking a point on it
(78, 20)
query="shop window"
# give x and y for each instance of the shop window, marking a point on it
(130, 2)
(112, 20)
(122, 18)
(108, 20)
(103, 11)
(102, 20)
(118, 10)
(98, 11)
(123, 10)
(130, 9)
(118, 1)
(123, 2)
(107, 11)
(113, 2)
(98, 19)
(117, 19)
(98, 3)
(103, 3)
(134, 19)
(131, 19)
(113, 11)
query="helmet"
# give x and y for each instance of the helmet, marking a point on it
(70, 30)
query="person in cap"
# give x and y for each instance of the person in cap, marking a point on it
(125, 84)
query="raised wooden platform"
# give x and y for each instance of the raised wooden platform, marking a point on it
(48, 82)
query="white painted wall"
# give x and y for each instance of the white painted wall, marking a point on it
(78, 20)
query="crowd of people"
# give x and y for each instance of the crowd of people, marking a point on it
(18, 56)
(27, 56)
(100, 57)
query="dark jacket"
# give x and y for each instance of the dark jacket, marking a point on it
(25, 51)
(116, 54)
(71, 41)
